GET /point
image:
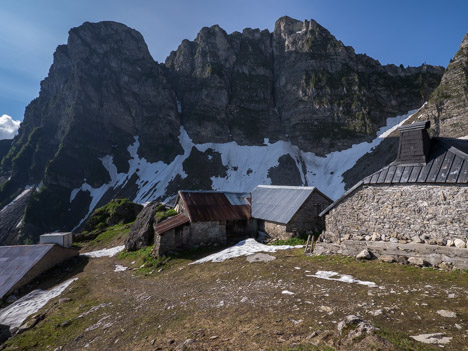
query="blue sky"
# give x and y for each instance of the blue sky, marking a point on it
(400, 32)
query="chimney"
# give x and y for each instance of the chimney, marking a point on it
(414, 143)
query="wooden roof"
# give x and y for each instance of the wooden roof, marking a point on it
(206, 206)
(170, 223)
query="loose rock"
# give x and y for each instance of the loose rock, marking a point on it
(435, 338)
(447, 314)
(364, 255)
(387, 258)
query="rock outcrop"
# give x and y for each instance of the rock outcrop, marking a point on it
(298, 83)
(109, 119)
(142, 233)
(447, 108)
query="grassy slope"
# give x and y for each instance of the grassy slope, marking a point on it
(238, 305)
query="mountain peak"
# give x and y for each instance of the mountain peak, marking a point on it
(105, 37)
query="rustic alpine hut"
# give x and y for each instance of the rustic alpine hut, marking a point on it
(205, 217)
(421, 197)
(285, 211)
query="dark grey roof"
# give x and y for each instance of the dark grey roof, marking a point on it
(17, 261)
(279, 203)
(447, 164)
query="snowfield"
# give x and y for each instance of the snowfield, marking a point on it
(243, 248)
(104, 252)
(15, 314)
(247, 167)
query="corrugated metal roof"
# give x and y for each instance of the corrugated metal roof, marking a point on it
(17, 261)
(170, 223)
(238, 198)
(205, 206)
(278, 203)
(447, 164)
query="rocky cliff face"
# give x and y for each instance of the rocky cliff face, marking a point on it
(298, 83)
(110, 121)
(447, 108)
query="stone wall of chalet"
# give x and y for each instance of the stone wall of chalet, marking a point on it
(307, 217)
(276, 230)
(433, 214)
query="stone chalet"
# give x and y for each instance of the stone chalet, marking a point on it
(422, 197)
(205, 217)
(286, 211)
(213, 217)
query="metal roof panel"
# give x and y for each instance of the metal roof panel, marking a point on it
(278, 203)
(17, 261)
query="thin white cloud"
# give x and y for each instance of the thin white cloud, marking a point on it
(8, 127)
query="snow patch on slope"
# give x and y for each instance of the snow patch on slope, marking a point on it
(243, 248)
(27, 190)
(344, 278)
(247, 166)
(15, 314)
(104, 252)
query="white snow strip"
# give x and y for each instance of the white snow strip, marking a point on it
(287, 292)
(179, 106)
(26, 191)
(464, 138)
(120, 268)
(243, 248)
(345, 278)
(15, 314)
(247, 166)
(104, 252)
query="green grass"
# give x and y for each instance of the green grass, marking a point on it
(51, 331)
(292, 241)
(152, 264)
(162, 214)
(145, 262)
(112, 236)
(401, 341)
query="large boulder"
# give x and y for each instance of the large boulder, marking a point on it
(142, 233)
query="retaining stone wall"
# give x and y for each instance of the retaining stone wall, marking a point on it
(434, 214)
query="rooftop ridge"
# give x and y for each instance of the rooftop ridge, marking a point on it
(287, 187)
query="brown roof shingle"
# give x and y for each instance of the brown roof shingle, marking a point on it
(209, 206)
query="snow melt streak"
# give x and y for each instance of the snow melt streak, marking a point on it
(247, 167)
(345, 278)
(17, 312)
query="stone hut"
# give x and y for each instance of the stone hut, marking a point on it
(205, 217)
(422, 197)
(285, 211)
